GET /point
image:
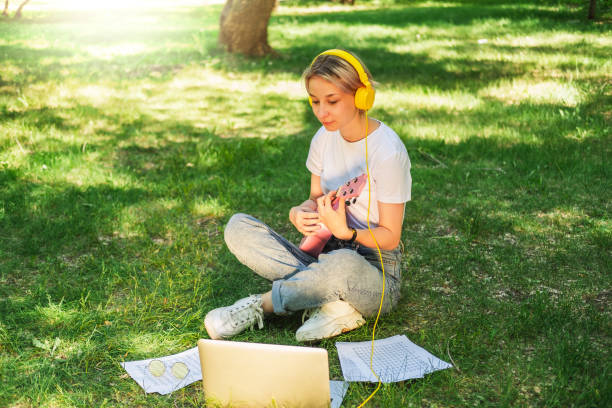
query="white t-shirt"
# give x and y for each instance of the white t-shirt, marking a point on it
(336, 161)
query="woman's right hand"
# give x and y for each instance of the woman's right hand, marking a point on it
(305, 218)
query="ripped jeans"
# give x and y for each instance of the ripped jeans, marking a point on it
(343, 271)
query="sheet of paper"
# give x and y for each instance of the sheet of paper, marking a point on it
(337, 390)
(166, 374)
(395, 359)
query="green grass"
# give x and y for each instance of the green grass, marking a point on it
(128, 139)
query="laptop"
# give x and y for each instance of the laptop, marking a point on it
(239, 374)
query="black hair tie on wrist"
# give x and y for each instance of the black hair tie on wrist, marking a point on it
(350, 241)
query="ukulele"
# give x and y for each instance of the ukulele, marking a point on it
(349, 191)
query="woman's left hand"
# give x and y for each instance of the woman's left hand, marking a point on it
(334, 220)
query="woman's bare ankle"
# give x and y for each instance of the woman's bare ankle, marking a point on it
(267, 305)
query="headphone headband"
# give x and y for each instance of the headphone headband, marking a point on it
(363, 77)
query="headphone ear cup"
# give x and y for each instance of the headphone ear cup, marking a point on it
(364, 97)
(309, 100)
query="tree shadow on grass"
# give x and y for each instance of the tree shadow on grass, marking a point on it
(449, 15)
(51, 218)
(21, 55)
(42, 118)
(260, 175)
(252, 175)
(421, 68)
(391, 67)
(263, 177)
(410, 69)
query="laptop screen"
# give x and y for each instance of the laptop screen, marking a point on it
(243, 374)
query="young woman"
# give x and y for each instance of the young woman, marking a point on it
(344, 283)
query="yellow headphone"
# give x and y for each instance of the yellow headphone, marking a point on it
(364, 97)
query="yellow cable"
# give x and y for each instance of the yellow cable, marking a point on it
(382, 296)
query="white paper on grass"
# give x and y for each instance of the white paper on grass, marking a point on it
(395, 359)
(148, 376)
(337, 390)
(166, 374)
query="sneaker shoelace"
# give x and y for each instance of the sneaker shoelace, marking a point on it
(308, 313)
(244, 314)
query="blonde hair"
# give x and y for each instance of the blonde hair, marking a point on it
(338, 71)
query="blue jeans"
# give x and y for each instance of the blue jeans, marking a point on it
(342, 272)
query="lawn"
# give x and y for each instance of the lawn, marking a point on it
(128, 139)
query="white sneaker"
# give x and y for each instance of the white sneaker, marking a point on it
(228, 321)
(330, 320)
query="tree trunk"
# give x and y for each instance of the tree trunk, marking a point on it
(18, 13)
(244, 26)
(592, 6)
